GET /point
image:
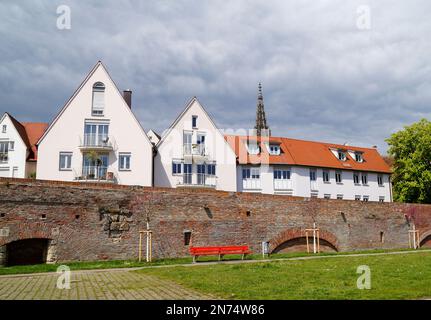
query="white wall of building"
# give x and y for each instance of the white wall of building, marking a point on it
(15, 166)
(217, 150)
(300, 185)
(66, 133)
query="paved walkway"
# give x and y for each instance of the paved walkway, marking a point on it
(94, 285)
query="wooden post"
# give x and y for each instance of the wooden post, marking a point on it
(149, 251)
(140, 246)
(306, 238)
(316, 239)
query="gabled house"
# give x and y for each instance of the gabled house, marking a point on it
(96, 137)
(18, 152)
(194, 153)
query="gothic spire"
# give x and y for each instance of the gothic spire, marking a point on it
(260, 115)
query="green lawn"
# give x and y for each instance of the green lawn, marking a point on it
(403, 276)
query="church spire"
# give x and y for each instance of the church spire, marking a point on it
(261, 126)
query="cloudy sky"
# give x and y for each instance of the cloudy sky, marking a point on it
(328, 72)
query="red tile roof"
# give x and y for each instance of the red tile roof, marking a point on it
(307, 153)
(34, 130)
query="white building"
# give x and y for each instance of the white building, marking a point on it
(275, 165)
(193, 152)
(96, 137)
(18, 153)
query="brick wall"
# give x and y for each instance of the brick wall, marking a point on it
(102, 221)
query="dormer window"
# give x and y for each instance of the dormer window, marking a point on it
(253, 148)
(194, 121)
(98, 99)
(341, 155)
(274, 149)
(359, 157)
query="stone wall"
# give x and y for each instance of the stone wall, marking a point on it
(102, 221)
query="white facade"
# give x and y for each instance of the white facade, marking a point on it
(96, 137)
(13, 151)
(193, 152)
(297, 181)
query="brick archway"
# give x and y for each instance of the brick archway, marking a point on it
(326, 238)
(425, 239)
(27, 230)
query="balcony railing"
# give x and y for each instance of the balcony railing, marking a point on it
(94, 173)
(194, 149)
(198, 179)
(313, 185)
(251, 184)
(4, 156)
(282, 184)
(97, 141)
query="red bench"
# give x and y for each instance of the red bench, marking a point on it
(219, 251)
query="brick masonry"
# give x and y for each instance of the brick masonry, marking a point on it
(102, 221)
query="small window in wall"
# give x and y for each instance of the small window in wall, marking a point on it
(176, 167)
(381, 199)
(274, 150)
(211, 169)
(364, 179)
(380, 180)
(327, 196)
(338, 176)
(65, 161)
(281, 174)
(359, 157)
(4, 128)
(365, 198)
(382, 237)
(326, 176)
(357, 198)
(98, 99)
(356, 178)
(11, 145)
(313, 174)
(341, 155)
(194, 121)
(124, 161)
(187, 237)
(339, 197)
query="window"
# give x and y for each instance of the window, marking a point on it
(194, 121)
(327, 196)
(96, 135)
(251, 178)
(356, 178)
(357, 198)
(11, 145)
(359, 157)
(4, 150)
(380, 180)
(365, 198)
(65, 161)
(253, 148)
(381, 199)
(341, 155)
(364, 179)
(274, 150)
(340, 197)
(4, 127)
(176, 167)
(187, 142)
(282, 174)
(338, 176)
(187, 237)
(98, 99)
(211, 169)
(326, 176)
(124, 161)
(313, 175)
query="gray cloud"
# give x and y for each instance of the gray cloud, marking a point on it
(323, 78)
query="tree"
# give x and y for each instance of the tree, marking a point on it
(411, 152)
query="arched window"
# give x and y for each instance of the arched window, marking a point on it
(98, 99)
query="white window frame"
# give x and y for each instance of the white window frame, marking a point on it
(365, 198)
(180, 163)
(195, 119)
(341, 155)
(11, 145)
(273, 149)
(358, 197)
(356, 174)
(381, 199)
(340, 174)
(359, 157)
(364, 175)
(327, 196)
(67, 161)
(253, 148)
(122, 164)
(340, 196)
(324, 172)
(251, 183)
(100, 89)
(380, 180)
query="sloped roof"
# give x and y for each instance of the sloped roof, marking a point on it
(34, 130)
(307, 153)
(21, 130)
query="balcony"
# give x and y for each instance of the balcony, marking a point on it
(96, 142)
(4, 157)
(251, 184)
(314, 186)
(282, 184)
(197, 180)
(96, 174)
(196, 151)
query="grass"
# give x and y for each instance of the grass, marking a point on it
(92, 265)
(403, 276)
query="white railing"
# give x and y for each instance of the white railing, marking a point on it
(94, 173)
(314, 185)
(97, 140)
(4, 156)
(282, 184)
(198, 179)
(194, 149)
(251, 184)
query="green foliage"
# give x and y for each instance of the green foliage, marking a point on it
(411, 150)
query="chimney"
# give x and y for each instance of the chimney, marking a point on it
(127, 95)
